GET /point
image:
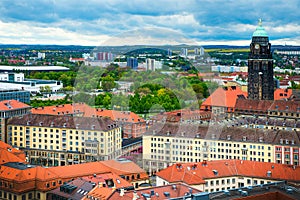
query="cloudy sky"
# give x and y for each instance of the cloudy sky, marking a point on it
(117, 22)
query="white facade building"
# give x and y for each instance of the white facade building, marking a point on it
(17, 81)
(41, 55)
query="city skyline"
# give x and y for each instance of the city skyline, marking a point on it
(139, 22)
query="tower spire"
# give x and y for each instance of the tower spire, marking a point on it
(259, 22)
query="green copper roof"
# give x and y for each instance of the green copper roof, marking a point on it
(260, 30)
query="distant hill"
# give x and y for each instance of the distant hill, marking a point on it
(129, 48)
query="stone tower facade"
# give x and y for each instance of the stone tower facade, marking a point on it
(260, 66)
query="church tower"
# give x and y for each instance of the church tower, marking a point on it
(260, 66)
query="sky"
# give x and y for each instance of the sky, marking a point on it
(120, 22)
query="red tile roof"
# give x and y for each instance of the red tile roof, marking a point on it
(105, 192)
(282, 93)
(184, 114)
(263, 106)
(125, 116)
(195, 174)
(82, 109)
(119, 182)
(12, 105)
(125, 167)
(180, 191)
(224, 97)
(10, 154)
(38, 177)
(79, 109)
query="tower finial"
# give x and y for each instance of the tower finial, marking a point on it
(259, 22)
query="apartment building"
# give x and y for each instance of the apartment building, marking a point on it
(50, 140)
(169, 143)
(221, 175)
(8, 109)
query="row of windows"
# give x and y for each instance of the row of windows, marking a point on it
(63, 131)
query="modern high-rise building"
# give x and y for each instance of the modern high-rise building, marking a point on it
(132, 63)
(260, 66)
(150, 64)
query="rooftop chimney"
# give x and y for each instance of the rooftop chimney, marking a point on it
(122, 192)
(135, 196)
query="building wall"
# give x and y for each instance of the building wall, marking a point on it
(20, 95)
(161, 151)
(286, 154)
(4, 115)
(30, 87)
(223, 183)
(60, 140)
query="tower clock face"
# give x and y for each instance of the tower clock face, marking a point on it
(256, 46)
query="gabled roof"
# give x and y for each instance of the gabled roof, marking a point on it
(12, 105)
(10, 154)
(267, 105)
(104, 192)
(280, 93)
(82, 109)
(124, 116)
(253, 105)
(184, 114)
(221, 132)
(79, 109)
(81, 188)
(119, 182)
(224, 97)
(173, 191)
(125, 167)
(82, 123)
(197, 173)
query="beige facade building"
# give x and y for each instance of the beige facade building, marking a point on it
(63, 140)
(180, 143)
(8, 109)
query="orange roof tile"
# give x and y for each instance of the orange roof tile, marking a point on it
(184, 114)
(12, 105)
(125, 167)
(10, 154)
(180, 191)
(224, 97)
(282, 93)
(6, 156)
(84, 110)
(38, 177)
(119, 182)
(80, 109)
(195, 174)
(125, 116)
(105, 192)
